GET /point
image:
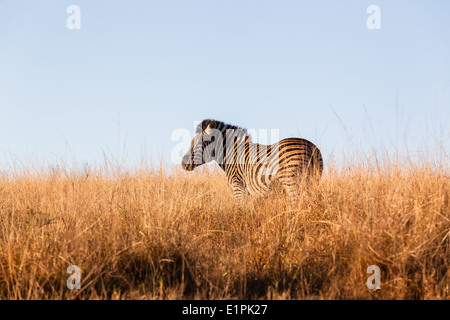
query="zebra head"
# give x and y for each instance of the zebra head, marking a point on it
(204, 146)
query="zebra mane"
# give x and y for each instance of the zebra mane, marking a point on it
(219, 125)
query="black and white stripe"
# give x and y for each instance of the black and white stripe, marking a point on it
(252, 167)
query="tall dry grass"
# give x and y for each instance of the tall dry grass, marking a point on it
(148, 234)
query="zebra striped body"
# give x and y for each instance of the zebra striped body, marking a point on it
(252, 167)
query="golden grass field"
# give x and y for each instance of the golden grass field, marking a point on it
(148, 234)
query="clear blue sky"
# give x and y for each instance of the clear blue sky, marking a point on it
(138, 70)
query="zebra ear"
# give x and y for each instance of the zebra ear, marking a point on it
(212, 125)
(209, 126)
(205, 124)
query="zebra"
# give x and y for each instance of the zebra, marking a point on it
(252, 168)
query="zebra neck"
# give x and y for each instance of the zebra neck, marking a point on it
(239, 152)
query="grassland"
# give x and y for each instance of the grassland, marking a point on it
(148, 234)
